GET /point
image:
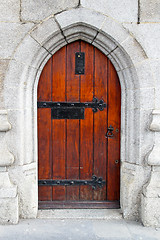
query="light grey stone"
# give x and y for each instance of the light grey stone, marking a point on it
(132, 143)
(150, 214)
(3, 169)
(8, 192)
(145, 75)
(4, 124)
(11, 36)
(125, 61)
(38, 10)
(152, 189)
(157, 97)
(79, 31)
(9, 210)
(80, 15)
(21, 80)
(153, 158)
(154, 65)
(156, 73)
(150, 201)
(3, 67)
(105, 230)
(5, 180)
(133, 98)
(115, 30)
(133, 178)
(147, 36)
(137, 54)
(146, 138)
(24, 178)
(98, 214)
(155, 124)
(9, 10)
(45, 30)
(138, 231)
(115, 64)
(149, 11)
(8, 200)
(14, 137)
(127, 73)
(28, 51)
(121, 10)
(22, 146)
(109, 46)
(76, 229)
(155, 168)
(6, 158)
(12, 94)
(147, 97)
(56, 42)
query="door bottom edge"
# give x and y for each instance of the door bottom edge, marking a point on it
(78, 205)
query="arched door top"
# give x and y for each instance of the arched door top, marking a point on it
(79, 105)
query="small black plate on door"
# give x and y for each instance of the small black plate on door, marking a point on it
(79, 63)
(67, 113)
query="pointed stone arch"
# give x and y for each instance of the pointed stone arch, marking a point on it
(20, 97)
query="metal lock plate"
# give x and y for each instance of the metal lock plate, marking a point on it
(67, 113)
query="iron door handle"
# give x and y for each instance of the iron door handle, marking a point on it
(109, 133)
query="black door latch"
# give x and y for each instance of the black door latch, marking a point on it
(109, 133)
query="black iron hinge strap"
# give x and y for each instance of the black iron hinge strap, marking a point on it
(95, 105)
(95, 182)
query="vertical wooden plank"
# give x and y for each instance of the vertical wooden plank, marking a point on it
(44, 157)
(114, 117)
(44, 133)
(86, 125)
(44, 85)
(58, 126)
(72, 125)
(100, 123)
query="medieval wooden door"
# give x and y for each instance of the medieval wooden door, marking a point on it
(79, 102)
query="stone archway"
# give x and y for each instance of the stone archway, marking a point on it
(20, 97)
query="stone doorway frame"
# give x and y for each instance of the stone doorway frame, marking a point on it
(20, 97)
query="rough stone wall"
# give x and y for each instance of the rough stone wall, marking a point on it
(141, 20)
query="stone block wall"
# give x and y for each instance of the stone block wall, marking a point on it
(128, 32)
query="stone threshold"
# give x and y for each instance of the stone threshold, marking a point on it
(107, 214)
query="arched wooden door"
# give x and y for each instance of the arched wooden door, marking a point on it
(79, 102)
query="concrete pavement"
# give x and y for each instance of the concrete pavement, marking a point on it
(66, 227)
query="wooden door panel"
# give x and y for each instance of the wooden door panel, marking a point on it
(58, 126)
(72, 95)
(44, 133)
(44, 151)
(58, 156)
(100, 123)
(78, 148)
(114, 106)
(86, 125)
(45, 86)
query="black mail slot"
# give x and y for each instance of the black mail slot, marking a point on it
(67, 113)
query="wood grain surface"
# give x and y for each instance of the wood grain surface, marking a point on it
(78, 148)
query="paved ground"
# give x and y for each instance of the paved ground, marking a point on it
(78, 229)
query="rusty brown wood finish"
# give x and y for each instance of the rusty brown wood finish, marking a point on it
(114, 119)
(58, 126)
(78, 149)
